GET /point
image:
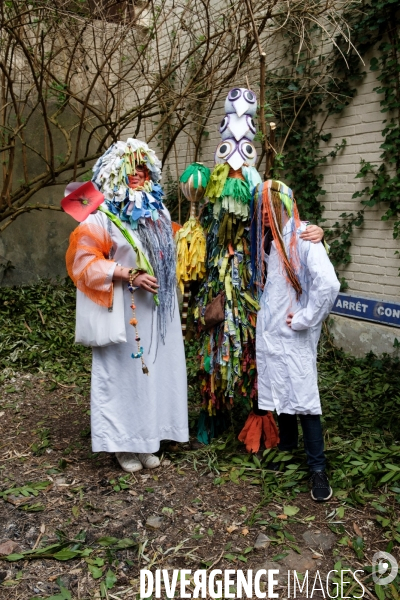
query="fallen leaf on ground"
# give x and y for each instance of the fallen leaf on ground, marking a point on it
(245, 531)
(8, 547)
(231, 528)
(95, 519)
(283, 517)
(357, 530)
(290, 511)
(15, 500)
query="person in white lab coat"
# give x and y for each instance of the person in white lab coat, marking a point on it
(300, 289)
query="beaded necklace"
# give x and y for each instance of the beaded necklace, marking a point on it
(133, 273)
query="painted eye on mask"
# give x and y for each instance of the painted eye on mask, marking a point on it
(249, 96)
(251, 124)
(224, 124)
(234, 94)
(224, 149)
(248, 150)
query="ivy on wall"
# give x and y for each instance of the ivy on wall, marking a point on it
(384, 180)
(302, 97)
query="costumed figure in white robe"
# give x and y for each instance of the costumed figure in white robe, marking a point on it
(300, 289)
(122, 260)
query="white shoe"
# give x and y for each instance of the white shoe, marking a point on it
(149, 461)
(129, 461)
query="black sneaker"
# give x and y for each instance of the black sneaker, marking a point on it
(321, 491)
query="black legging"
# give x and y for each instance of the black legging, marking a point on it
(312, 435)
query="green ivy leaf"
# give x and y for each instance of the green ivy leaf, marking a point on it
(96, 572)
(111, 579)
(107, 541)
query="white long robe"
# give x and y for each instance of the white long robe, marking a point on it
(287, 357)
(130, 411)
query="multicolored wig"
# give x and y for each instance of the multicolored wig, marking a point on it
(274, 208)
(111, 171)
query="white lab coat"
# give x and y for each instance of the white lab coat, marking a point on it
(287, 357)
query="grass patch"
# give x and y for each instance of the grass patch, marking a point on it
(37, 331)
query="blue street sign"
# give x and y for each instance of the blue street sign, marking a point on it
(368, 309)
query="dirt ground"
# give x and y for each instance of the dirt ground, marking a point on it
(172, 517)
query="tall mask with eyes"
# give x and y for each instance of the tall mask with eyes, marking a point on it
(237, 130)
(226, 267)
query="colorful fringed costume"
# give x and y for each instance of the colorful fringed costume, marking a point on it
(131, 412)
(227, 355)
(226, 349)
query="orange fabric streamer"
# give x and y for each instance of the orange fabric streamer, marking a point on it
(272, 212)
(270, 431)
(251, 433)
(259, 429)
(88, 264)
(175, 227)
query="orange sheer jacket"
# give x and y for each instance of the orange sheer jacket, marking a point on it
(88, 264)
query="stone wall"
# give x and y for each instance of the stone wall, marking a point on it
(35, 244)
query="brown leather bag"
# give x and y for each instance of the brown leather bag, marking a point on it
(215, 312)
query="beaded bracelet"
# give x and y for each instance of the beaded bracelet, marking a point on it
(133, 273)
